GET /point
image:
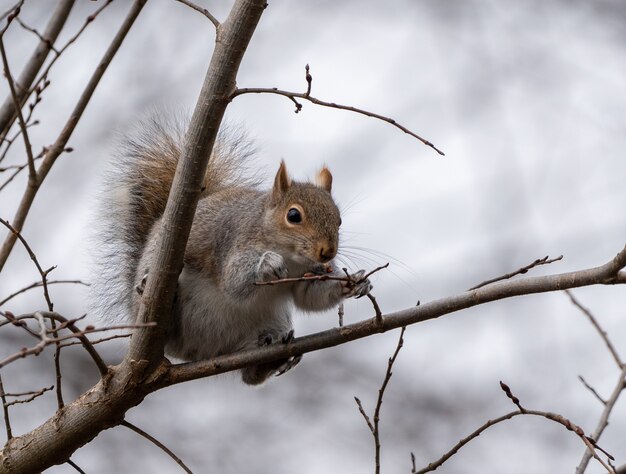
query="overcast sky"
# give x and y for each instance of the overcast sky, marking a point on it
(526, 99)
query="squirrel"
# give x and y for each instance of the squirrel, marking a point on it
(240, 236)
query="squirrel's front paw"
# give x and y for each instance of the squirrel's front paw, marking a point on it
(271, 266)
(356, 285)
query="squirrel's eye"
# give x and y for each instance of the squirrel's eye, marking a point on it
(294, 216)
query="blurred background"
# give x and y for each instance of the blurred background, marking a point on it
(527, 100)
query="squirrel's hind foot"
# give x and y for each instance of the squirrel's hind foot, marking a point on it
(259, 373)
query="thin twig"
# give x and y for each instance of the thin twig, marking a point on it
(97, 341)
(374, 426)
(5, 408)
(44, 284)
(592, 390)
(340, 313)
(10, 15)
(75, 466)
(59, 145)
(32, 396)
(45, 340)
(474, 434)
(157, 443)
(16, 320)
(202, 10)
(540, 261)
(520, 411)
(32, 173)
(34, 64)
(38, 284)
(293, 95)
(323, 277)
(598, 328)
(590, 442)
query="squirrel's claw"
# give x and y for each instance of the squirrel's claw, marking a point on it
(287, 366)
(266, 338)
(142, 286)
(356, 286)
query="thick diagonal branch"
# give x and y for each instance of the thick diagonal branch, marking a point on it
(232, 40)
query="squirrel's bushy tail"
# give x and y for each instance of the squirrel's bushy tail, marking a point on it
(134, 198)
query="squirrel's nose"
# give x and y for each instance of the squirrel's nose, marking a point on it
(326, 254)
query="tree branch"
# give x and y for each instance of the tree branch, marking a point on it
(219, 83)
(204, 11)
(521, 271)
(520, 411)
(53, 28)
(306, 96)
(158, 444)
(604, 274)
(59, 145)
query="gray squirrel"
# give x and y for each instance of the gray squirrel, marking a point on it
(240, 235)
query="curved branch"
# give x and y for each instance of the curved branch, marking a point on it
(332, 105)
(158, 444)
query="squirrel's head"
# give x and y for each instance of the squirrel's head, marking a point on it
(304, 218)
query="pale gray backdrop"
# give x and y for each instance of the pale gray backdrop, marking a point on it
(527, 99)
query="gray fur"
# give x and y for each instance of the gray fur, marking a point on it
(239, 236)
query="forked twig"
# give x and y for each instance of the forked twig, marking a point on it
(540, 261)
(374, 425)
(588, 441)
(293, 96)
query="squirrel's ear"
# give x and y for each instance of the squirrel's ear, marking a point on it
(324, 179)
(282, 180)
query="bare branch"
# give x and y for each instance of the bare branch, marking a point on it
(39, 284)
(374, 427)
(32, 396)
(32, 174)
(474, 434)
(592, 390)
(598, 328)
(306, 96)
(521, 271)
(157, 443)
(590, 442)
(204, 11)
(34, 64)
(46, 341)
(97, 341)
(520, 411)
(5, 408)
(323, 277)
(102, 367)
(59, 145)
(75, 466)
(364, 414)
